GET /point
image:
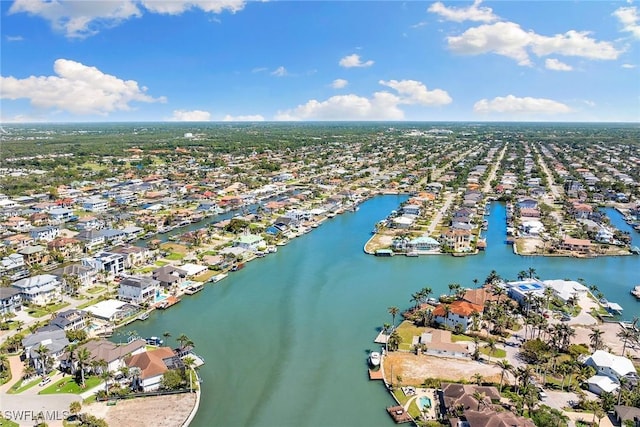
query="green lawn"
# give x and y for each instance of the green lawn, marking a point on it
(457, 337)
(43, 311)
(96, 289)
(174, 256)
(68, 385)
(161, 263)
(21, 386)
(88, 303)
(407, 331)
(497, 353)
(7, 423)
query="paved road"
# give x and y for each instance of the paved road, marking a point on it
(54, 407)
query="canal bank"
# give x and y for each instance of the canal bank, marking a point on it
(286, 338)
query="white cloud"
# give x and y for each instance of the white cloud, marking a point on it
(76, 88)
(259, 69)
(510, 40)
(247, 118)
(415, 92)
(14, 38)
(628, 66)
(190, 116)
(339, 83)
(176, 7)
(512, 104)
(460, 14)
(556, 65)
(353, 60)
(628, 17)
(382, 105)
(279, 72)
(85, 18)
(589, 103)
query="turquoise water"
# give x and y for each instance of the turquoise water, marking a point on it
(286, 339)
(424, 402)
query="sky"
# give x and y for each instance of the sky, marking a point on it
(237, 60)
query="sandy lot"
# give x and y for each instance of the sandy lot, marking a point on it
(415, 369)
(160, 411)
(612, 342)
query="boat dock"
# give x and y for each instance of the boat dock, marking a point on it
(376, 374)
(399, 414)
(171, 300)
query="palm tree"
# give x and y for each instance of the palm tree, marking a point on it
(480, 397)
(183, 340)
(531, 272)
(505, 366)
(426, 291)
(596, 339)
(43, 358)
(454, 288)
(189, 362)
(522, 275)
(627, 335)
(393, 311)
(75, 407)
(478, 378)
(166, 335)
(447, 311)
(394, 341)
(491, 347)
(83, 357)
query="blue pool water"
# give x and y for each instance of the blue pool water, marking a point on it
(424, 402)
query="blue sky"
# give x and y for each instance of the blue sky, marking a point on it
(153, 60)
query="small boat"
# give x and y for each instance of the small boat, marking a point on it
(154, 341)
(374, 358)
(218, 277)
(143, 316)
(412, 254)
(636, 291)
(237, 267)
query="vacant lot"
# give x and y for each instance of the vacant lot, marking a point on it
(160, 411)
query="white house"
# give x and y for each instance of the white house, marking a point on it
(61, 214)
(565, 289)
(92, 239)
(138, 289)
(111, 263)
(55, 342)
(47, 233)
(249, 242)
(39, 290)
(95, 204)
(611, 369)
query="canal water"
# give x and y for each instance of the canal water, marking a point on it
(286, 338)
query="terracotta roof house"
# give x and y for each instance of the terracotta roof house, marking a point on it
(460, 313)
(152, 365)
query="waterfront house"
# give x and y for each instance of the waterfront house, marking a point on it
(249, 242)
(458, 240)
(55, 341)
(528, 203)
(523, 291)
(457, 315)
(403, 222)
(138, 289)
(113, 236)
(438, 343)
(113, 354)
(40, 290)
(411, 210)
(152, 365)
(423, 244)
(169, 276)
(134, 255)
(10, 301)
(576, 245)
(89, 223)
(112, 310)
(566, 289)
(71, 320)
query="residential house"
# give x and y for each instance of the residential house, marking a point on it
(576, 245)
(89, 223)
(17, 224)
(138, 289)
(610, 370)
(111, 263)
(68, 247)
(34, 255)
(13, 266)
(60, 215)
(71, 320)
(411, 210)
(250, 242)
(84, 274)
(423, 244)
(457, 240)
(95, 204)
(46, 233)
(18, 241)
(134, 255)
(91, 239)
(438, 343)
(40, 290)
(113, 236)
(55, 341)
(152, 365)
(457, 315)
(113, 354)
(112, 310)
(169, 276)
(10, 301)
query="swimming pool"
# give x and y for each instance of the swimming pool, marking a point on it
(424, 403)
(160, 297)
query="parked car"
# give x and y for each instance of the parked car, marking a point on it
(45, 381)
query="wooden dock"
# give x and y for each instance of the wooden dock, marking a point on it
(376, 375)
(399, 415)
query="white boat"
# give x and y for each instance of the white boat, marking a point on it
(374, 358)
(636, 291)
(218, 277)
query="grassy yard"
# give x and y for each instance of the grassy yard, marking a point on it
(161, 263)
(205, 276)
(68, 385)
(498, 353)
(407, 331)
(96, 290)
(88, 303)
(7, 423)
(47, 310)
(174, 256)
(174, 247)
(21, 386)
